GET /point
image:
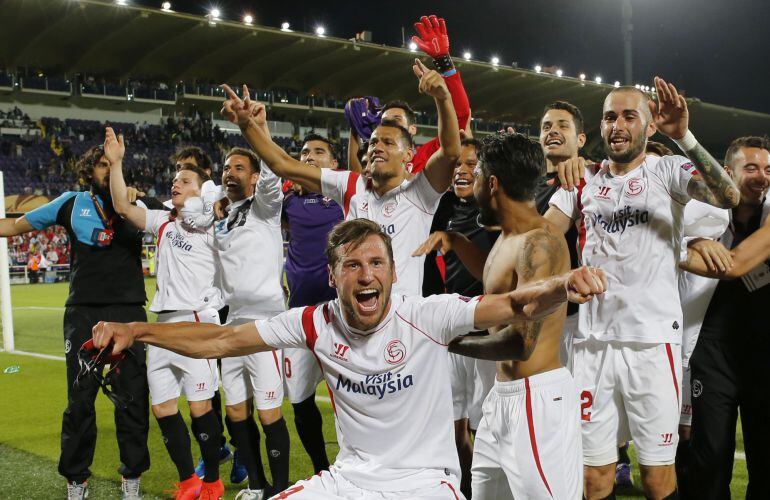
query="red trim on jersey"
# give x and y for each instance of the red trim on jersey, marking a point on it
(581, 241)
(288, 492)
(673, 370)
(197, 319)
(308, 327)
(277, 364)
(451, 488)
(412, 325)
(160, 230)
(532, 440)
(325, 310)
(441, 265)
(350, 190)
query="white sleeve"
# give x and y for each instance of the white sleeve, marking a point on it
(443, 317)
(210, 192)
(283, 330)
(421, 193)
(268, 196)
(701, 220)
(566, 202)
(340, 186)
(154, 219)
(676, 171)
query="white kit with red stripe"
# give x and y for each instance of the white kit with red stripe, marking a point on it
(185, 265)
(404, 213)
(389, 386)
(632, 227)
(528, 444)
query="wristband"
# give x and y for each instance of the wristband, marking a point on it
(688, 142)
(449, 73)
(443, 63)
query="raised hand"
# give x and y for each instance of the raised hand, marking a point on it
(670, 115)
(432, 39)
(438, 241)
(114, 148)
(120, 334)
(431, 83)
(241, 111)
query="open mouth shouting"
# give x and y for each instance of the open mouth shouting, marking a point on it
(367, 300)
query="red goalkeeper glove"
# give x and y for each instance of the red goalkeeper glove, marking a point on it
(434, 41)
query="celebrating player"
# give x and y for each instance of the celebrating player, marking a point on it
(383, 357)
(185, 292)
(403, 208)
(626, 353)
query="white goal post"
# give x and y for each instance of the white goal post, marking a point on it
(6, 311)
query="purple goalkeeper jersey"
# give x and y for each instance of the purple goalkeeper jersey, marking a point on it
(310, 218)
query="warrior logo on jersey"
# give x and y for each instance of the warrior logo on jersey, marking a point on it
(635, 187)
(340, 351)
(395, 352)
(603, 192)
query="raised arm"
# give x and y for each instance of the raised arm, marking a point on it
(440, 166)
(353, 147)
(711, 184)
(251, 117)
(114, 149)
(195, 340)
(522, 310)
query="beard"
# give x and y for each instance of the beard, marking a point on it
(487, 216)
(635, 148)
(102, 190)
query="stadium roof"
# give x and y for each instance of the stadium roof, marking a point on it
(103, 38)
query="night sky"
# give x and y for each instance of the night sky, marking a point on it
(716, 50)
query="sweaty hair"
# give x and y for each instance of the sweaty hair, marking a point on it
(201, 157)
(86, 163)
(411, 116)
(472, 142)
(202, 175)
(658, 148)
(517, 162)
(354, 232)
(749, 141)
(362, 151)
(577, 116)
(404, 132)
(251, 155)
(334, 148)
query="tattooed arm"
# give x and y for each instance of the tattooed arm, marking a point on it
(542, 255)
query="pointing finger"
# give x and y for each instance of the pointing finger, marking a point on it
(231, 93)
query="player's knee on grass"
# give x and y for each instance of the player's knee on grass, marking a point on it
(166, 408)
(200, 408)
(599, 481)
(267, 417)
(658, 481)
(239, 411)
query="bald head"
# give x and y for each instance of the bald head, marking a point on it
(638, 96)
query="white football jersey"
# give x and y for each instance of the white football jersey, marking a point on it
(249, 247)
(389, 386)
(404, 213)
(185, 265)
(632, 227)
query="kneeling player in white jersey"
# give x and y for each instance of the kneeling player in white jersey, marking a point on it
(626, 353)
(528, 443)
(185, 292)
(384, 359)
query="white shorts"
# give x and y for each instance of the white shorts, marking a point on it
(628, 391)
(330, 485)
(685, 416)
(256, 375)
(528, 443)
(462, 372)
(483, 381)
(301, 374)
(170, 375)
(567, 336)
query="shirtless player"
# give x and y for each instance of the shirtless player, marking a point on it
(528, 443)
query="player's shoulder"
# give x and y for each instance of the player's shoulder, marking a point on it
(541, 246)
(668, 162)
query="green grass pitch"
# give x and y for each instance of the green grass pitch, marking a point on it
(35, 397)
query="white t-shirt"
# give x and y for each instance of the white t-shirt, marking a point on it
(185, 265)
(632, 227)
(405, 213)
(390, 386)
(249, 247)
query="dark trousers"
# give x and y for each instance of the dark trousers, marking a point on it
(726, 377)
(78, 435)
